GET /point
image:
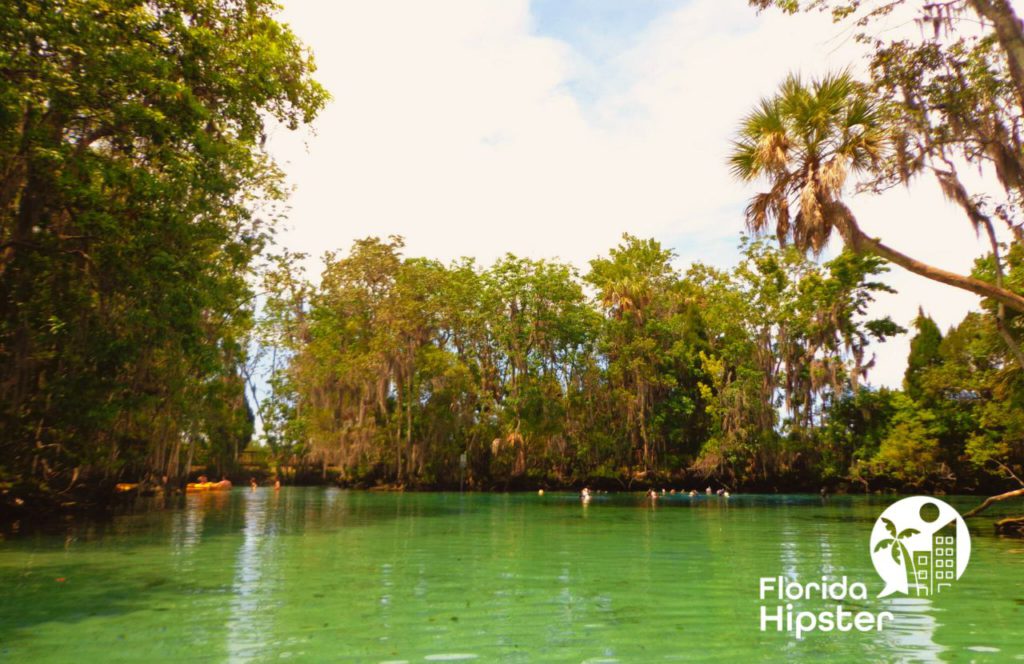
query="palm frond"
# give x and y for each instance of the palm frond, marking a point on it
(832, 176)
(757, 213)
(806, 140)
(743, 160)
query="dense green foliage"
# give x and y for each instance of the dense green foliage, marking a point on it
(924, 354)
(131, 183)
(393, 367)
(959, 423)
(396, 366)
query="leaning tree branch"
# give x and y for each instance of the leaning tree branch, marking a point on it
(991, 500)
(1006, 469)
(863, 243)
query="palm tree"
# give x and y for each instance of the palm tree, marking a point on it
(804, 141)
(899, 550)
(626, 295)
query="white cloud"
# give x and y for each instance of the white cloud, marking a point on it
(455, 125)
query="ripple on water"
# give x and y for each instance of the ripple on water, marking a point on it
(450, 657)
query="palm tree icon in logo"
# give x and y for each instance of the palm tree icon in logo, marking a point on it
(900, 555)
(919, 545)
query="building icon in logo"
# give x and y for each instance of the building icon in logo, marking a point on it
(936, 569)
(920, 546)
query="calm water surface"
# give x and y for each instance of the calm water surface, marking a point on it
(330, 575)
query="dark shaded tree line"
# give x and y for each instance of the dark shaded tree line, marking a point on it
(134, 196)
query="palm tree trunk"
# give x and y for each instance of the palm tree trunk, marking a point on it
(911, 566)
(860, 242)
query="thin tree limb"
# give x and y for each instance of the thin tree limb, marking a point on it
(991, 500)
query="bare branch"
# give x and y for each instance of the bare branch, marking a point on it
(991, 500)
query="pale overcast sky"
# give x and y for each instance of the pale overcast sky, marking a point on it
(548, 128)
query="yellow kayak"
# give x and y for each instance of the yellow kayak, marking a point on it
(208, 486)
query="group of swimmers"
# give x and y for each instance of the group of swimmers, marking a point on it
(654, 495)
(586, 494)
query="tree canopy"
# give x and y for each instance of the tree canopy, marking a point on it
(630, 372)
(135, 194)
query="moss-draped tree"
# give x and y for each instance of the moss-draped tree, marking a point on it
(134, 194)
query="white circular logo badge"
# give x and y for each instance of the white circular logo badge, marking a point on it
(920, 546)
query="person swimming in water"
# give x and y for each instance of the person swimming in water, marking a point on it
(585, 495)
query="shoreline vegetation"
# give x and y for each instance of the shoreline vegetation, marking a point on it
(151, 330)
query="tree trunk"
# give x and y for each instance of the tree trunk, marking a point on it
(860, 242)
(1003, 330)
(409, 466)
(994, 499)
(1010, 35)
(1012, 526)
